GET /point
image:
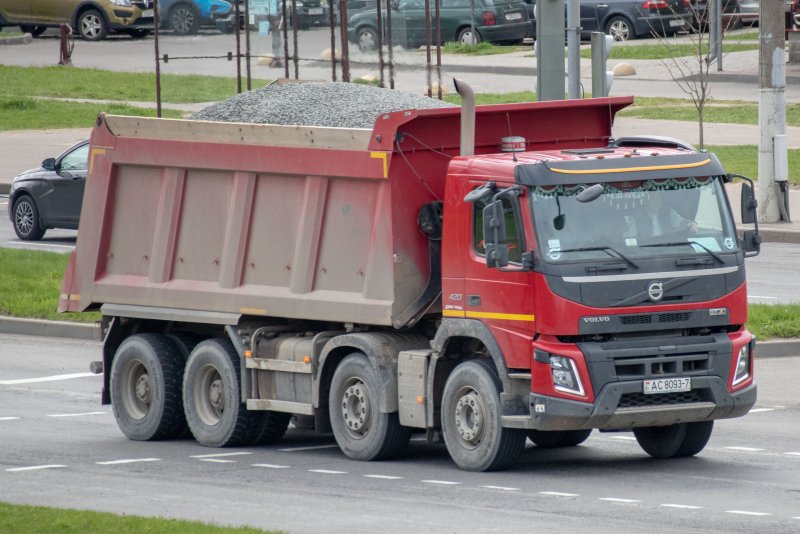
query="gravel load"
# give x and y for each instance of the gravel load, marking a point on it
(343, 105)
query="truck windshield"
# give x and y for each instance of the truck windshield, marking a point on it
(637, 219)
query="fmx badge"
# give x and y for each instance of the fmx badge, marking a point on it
(655, 291)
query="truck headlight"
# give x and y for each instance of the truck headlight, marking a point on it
(742, 371)
(565, 375)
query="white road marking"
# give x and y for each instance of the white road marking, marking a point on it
(615, 499)
(310, 448)
(383, 477)
(441, 482)
(792, 453)
(745, 512)
(8, 418)
(217, 460)
(273, 466)
(682, 506)
(743, 449)
(220, 455)
(759, 410)
(502, 488)
(34, 468)
(327, 472)
(559, 494)
(45, 379)
(625, 438)
(75, 414)
(759, 297)
(129, 461)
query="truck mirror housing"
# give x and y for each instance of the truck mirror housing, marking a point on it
(749, 204)
(751, 241)
(494, 228)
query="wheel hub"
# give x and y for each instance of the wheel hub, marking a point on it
(355, 408)
(24, 217)
(144, 392)
(215, 396)
(469, 417)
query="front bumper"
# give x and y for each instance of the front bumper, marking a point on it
(711, 401)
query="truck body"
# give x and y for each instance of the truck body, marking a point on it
(415, 277)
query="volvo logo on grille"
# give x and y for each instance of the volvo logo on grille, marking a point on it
(655, 291)
(600, 319)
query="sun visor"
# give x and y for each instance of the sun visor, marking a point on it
(617, 169)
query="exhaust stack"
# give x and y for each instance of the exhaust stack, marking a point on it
(467, 117)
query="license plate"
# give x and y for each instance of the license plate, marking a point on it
(513, 16)
(147, 12)
(667, 385)
(676, 22)
(315, 11)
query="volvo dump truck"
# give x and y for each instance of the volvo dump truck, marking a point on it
(483, 275)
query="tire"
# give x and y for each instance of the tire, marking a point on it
(674, 441)
(620, 28)
(146, 388)
(555, 439)
(471, 420)
(272, 428)
(35, 31)
(367, 39)
(26, 219)
(92, 25)
(212, 398)
(464, 36)
(184, 19)
(362, 431)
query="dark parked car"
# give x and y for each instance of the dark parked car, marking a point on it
(49, 196)
(630, 19)
(496, 21)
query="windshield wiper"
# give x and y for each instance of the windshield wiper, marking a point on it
(605, 249)
(683, 243)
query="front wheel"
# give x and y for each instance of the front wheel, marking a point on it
(362, 431)
(620, 29)
(92, 26)
(558, 438)
(184, 20)
(471, 426)
(26, 219)
(674, 441)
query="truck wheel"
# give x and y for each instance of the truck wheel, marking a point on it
(471, 420)
(26, 219)
(559, 438)
(146, 388)
(674, 441)
(92, 26)
(272, 428)
(362, 431)
(212, 399)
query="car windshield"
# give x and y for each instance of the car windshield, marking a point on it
(637, 219)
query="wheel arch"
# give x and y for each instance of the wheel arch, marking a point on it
(85, 6)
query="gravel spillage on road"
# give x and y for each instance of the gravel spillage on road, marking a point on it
(343, 105)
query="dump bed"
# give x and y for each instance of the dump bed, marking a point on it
(204, 221)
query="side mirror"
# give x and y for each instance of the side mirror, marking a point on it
(749, 204)
(494, 228)
(49, 164)
(751, 242)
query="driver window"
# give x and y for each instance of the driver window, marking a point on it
(512, 239)
(76, 160)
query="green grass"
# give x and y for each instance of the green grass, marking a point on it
(72, 82)
(496, 98)
(770, 321)
(21, 519)
(30, 284)
(734, 112)
(24, 113)
(743, 159)
(666, 50)
(480, 49)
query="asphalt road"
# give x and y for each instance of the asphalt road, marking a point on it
(62, 448)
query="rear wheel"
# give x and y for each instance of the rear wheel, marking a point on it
(92, 26)
(559, 438)
(620, 28)
(466, 37)
(674, 441)
(184, 19)
(26, 219)
(211, 397)
(471, 420)
(362, 431)
(146, 388)
(367, 39)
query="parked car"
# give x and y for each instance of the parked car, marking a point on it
(631, 19)
(185, 17)
(731, 14)
(496, 21)
(49, 196)
(92, 20)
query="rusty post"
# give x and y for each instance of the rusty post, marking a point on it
(390, 41)
(237, 31)
(295, 24)
(66, 45)
(379, 23)
(345, 42)
(428, 46)
(438, 49)
(247, 43)
(156, 21)
(285, 24)
(333, 39)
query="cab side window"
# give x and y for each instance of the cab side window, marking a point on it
(512, 238)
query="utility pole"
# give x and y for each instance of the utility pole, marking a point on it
(574, 49)
(550, 49)
(771, 110)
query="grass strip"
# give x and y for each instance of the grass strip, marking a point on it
(98, 84)
(667, 50)
(22, 519)
(771, 321)
(24, 113)
(480, 49)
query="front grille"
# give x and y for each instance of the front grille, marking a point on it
(656, 366)
(640, 400)
(676, 317)
(673, 317)
(637, 319)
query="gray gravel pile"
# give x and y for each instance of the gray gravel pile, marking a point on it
(343, 105)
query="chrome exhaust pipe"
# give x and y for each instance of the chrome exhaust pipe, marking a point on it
(467, 117)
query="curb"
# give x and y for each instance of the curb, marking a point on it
(25, 38)
(782, 348)
(43, 328)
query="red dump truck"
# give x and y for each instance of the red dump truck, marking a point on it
(485, 275)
